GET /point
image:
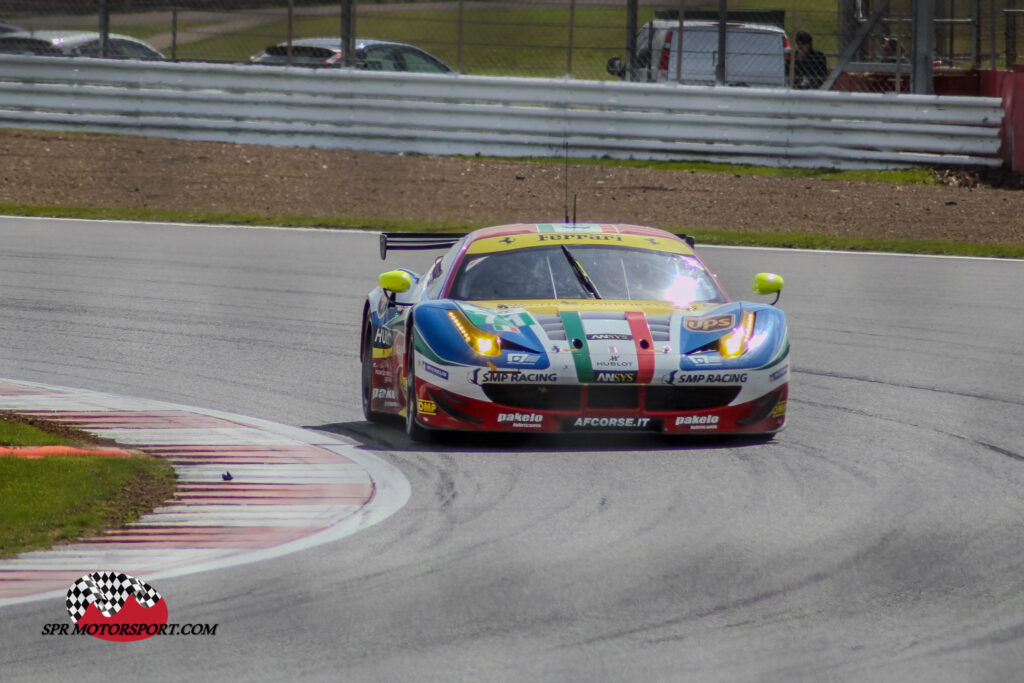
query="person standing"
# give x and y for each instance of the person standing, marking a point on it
(810, 67)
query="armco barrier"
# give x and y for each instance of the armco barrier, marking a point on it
(493, 116)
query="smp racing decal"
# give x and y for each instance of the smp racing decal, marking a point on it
(676, 377)
(711, 323)
(481, 376)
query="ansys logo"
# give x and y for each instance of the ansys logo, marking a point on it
(116, 607)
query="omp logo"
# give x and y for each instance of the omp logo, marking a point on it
(711, 323)
(480, 376)
(614, 376)
(696, 420)
(779, 410)
(425, 407)
(383, 338)
(520, 417)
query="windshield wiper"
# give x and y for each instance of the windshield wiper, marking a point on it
(581, 274)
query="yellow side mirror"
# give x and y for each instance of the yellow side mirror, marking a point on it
(395, 281)
(768, 283)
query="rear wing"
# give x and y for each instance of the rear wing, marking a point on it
(439, 240)
(417, 240)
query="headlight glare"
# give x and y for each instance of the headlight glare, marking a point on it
(734, 344)
(484, 343)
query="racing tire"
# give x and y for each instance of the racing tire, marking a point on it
(367, 375)
(413, 429)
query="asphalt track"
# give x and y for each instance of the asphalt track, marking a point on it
(879, 538)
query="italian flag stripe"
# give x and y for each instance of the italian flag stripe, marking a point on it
(581, 356)
(644, 357)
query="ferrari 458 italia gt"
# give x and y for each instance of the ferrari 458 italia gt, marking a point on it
(561, 327)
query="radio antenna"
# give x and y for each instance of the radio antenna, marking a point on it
(565, 178)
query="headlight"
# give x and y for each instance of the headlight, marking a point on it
(484, 343)
(734, 344)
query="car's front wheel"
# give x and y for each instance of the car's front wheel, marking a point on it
(413, 429)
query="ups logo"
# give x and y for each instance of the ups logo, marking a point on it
(712, 323)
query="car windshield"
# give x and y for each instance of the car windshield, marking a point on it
(604, 272)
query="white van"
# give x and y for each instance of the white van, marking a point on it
(755, 54)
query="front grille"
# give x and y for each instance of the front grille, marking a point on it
(626, 397)
(603, 397)
(689, 398)
(537, 397)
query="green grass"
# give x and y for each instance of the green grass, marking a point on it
(54, 499)
(910, 176)
(526, 41)
(517, 42)
(147, 31)
(20, 434)
(804, 241)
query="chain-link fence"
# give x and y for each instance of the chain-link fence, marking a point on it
(865, 45)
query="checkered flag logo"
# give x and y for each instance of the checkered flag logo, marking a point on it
(109, 591)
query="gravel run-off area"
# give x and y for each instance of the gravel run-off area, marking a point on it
(40, 168)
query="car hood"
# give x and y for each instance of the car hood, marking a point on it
(605, 336)
(594, 341)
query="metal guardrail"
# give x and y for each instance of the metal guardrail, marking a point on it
(494, 116)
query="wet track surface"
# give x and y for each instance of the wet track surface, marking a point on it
(877, 538)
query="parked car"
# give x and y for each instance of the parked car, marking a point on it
(755, 54)
(371, 54)
(76, 44)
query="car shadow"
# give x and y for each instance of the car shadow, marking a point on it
(389, 435)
